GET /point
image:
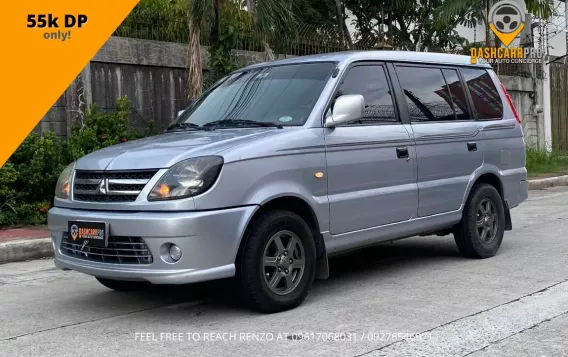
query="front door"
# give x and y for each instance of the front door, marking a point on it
(449, 145)
(371, 162)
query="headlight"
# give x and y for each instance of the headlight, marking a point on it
(187, 178)
(63, 186)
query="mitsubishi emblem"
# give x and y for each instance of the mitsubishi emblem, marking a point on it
(102, 189)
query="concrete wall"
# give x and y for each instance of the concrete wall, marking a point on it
(153, 75)
(527, 96)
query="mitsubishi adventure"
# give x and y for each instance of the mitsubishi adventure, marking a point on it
(282, 164)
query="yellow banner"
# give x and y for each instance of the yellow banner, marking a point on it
(46, 45)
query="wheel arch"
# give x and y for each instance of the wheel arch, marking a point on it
(494, 180)
(303, 209)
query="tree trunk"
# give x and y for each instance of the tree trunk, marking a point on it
(250, 6)
(345, 29)
(268, 52)
(194, 64)
(214, 36)
(340, 25)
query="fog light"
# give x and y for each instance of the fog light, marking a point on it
(175, 252)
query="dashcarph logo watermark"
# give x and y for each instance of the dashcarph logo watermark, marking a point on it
(507, 20)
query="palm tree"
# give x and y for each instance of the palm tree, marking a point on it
(272, 19)
(473, 12)
(201, 13)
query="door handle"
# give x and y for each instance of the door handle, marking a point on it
(402, 153)
(472, 146)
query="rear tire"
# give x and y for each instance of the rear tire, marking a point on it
(277, 265)
(480, 232)
(121, 285)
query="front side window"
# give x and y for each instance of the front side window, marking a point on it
(371, 82)
(282, 95)
(426, 93)
(484, 94)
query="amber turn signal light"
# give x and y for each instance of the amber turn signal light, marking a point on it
(163, 190)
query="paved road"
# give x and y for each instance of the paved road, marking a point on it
(515, 304)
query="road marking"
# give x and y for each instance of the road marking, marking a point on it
(476, 332)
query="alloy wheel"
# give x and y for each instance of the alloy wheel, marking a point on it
(487, 222)
(283, 262)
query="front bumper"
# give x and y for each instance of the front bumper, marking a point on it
(209, 241)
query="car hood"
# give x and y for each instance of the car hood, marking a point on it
(165, 150)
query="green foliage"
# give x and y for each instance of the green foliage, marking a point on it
(317, 13)
(275, 21)
(28, 178)
(102, 129)
(540, 162)
(158, 10)
(233, 27)
(222, 60)
(408, 24)
(162, 20)
(472, 12)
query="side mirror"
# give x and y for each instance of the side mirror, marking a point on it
(346, 108)
(180, 113)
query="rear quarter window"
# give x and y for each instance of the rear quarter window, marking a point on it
(486, 100)
(426, 93)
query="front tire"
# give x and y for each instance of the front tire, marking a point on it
(277, 265)
(121, 285)
(480, 232)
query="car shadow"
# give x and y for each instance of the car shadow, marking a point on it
(384, 258)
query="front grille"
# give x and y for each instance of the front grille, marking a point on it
(104, 198)
(120, 250)
(110, 186)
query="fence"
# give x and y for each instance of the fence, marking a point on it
(153, 75)
(305, 39)
(559, 105)
(526, 70)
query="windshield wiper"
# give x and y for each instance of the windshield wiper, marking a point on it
(187, 126)
(241, 123)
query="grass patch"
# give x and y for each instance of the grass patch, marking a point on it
(541, 163)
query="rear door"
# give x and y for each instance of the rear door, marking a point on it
(371, 162)
(503, 143)
(448, 139)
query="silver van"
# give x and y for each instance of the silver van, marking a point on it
(282, 164)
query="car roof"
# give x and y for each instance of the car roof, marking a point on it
(350, 56)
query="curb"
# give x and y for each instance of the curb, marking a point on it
(29, 249)
(539, 184)
(18, 251)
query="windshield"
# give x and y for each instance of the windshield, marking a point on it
(281, 95)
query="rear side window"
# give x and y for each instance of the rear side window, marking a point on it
(427, 94)
(485, 96)
(371, 82)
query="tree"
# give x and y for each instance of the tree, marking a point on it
(472, 12)
(201, 13)
(272, 21)
(410, 24)
(315, 13)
